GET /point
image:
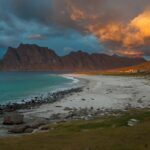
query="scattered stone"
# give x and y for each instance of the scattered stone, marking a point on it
(59, 106)
(45, 127)
(55, 116)
(128, 87)
(140, 101)
(83, 99)
(67, 109)
(37, 101)
(13, 118)
(28, 130)
(37, 123)
(18, 129)
(133, 122)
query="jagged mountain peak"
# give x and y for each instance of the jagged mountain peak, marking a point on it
(33, 57)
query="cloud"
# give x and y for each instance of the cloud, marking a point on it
(127, 39)
(36, 37)
(120, 26)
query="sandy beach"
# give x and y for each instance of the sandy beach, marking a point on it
(99, 96)
(100, 93)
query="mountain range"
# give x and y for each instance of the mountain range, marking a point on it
(35, 58)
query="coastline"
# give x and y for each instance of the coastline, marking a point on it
(41, 98)
(99, 96)
(30, 105)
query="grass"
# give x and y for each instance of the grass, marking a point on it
(107, 133)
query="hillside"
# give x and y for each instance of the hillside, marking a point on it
(141, 69)
(34, 58)
(108, 133)
(144, 67)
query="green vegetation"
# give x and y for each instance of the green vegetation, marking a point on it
(107, 133)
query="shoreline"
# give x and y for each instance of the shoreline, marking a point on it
(100, 96)
(50, 97)
(33, 104)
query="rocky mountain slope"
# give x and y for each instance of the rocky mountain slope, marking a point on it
(141, 68)
(34, 58)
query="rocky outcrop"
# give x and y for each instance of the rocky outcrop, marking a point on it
(13, 118)
(18, 129)
(34, 58)
(133, 122)
(30, 57)
(37, 123)
(84, 61)
(29, 127)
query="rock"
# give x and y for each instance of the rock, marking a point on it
(58, 106)
(140, 101)
(18, 129)
(132, 122)
(33, 54)
(37, 123)
(13, 118)
(67, 109)
(45, 127)
(29, 130)
(55, 116)
(83, 99)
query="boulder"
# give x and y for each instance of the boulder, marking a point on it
(18, 129)
(29, 130)
(45, 127)
(133, 122)
(13, 118)
(37, 123)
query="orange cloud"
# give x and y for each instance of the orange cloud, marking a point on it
(77, 14)
(120, 28)
(130, 53)
(130, 35)
(112, 31)
(142, 23)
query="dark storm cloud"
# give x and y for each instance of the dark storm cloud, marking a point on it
(33, 10)
(120, 25)
(116, 24)
(21, 19)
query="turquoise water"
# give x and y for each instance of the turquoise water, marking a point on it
(18, 86)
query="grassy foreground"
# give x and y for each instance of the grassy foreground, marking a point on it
(108, 133)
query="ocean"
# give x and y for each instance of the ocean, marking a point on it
(19, 86)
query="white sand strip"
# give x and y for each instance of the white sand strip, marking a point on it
(103, 92)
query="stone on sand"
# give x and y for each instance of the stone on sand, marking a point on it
(18, 129)
(13, 118)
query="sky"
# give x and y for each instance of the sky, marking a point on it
(103, 26)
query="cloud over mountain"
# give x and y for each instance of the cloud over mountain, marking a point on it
(120, 26)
